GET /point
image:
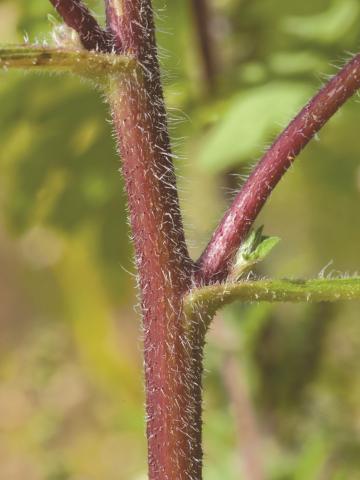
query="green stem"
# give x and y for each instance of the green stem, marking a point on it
(209, 299)
(81, 62)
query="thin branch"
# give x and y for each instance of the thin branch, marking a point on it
(77, 16)
(247, 431)
(81, 62)
(214, 263)
(208, 300)
(202, 17)
(116, 24)
(250, 454)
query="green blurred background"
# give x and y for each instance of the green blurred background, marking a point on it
(282, 383)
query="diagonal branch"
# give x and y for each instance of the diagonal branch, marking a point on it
(77, 16)
(208, 300)
(214, 263)
(88, 64)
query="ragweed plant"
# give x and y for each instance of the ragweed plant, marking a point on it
(179, 295)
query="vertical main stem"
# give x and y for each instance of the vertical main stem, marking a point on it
(173, 358)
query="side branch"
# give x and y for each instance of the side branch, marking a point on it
(84, 63)
(214, 263)
(77, 16)
(208, 300)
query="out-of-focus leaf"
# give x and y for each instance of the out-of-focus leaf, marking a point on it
(325, 27)
(251, 120)
(59, 165)
(295, 63)
(93, 325)
(311, 463)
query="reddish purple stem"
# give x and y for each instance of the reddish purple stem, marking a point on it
(77, 16)
(173, 360)
(215, 262)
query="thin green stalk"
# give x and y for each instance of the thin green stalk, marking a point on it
(59, 60)
(209, 299)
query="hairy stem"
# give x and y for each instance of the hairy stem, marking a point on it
(77, 16)
(88, 64)
(173, 353)
(209, 299)
(214, 263)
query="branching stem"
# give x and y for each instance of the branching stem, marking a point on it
(77, 16)
(208, 300)
(93, 65)
(174, 320)
(173, 358)
(214, 263)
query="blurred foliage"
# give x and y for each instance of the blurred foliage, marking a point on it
(264, 107)
(71, 392)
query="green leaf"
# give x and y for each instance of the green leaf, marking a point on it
(313, 459)
(252, 119)
(252, 251)
(59, 166)
(325, 27)
(290, 62)
(264, 248)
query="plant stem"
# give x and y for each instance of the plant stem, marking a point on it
(209, 299)
(202, 14)
(248, 435)
(173, 358)
(250, 454)
(77, 16)
(214, 263)
(93, 65)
